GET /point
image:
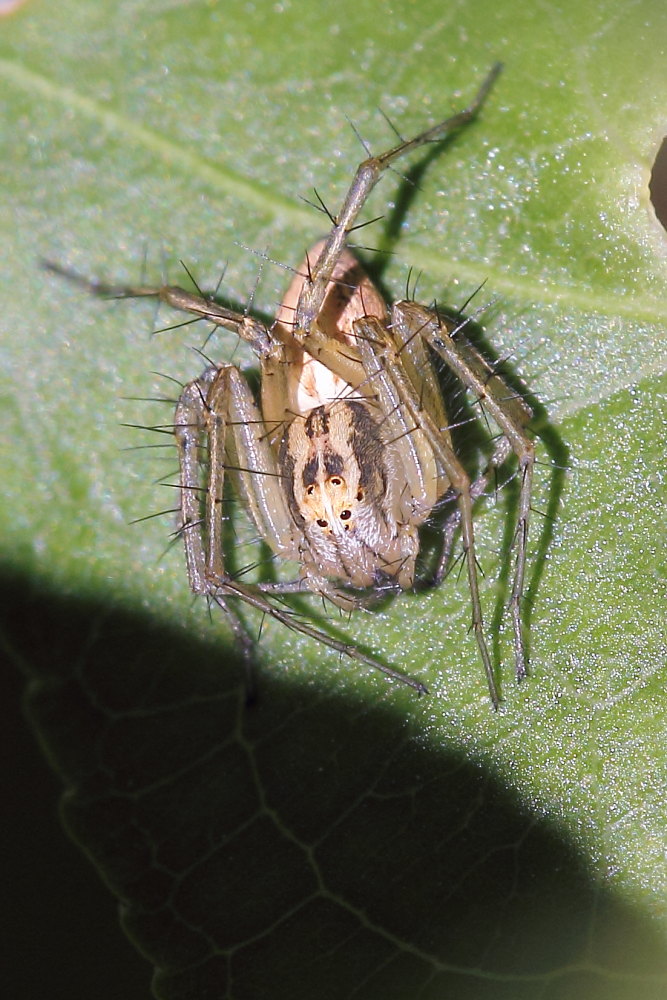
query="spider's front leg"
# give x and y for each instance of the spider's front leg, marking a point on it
(405, 392)
(509, 412)
(191, 422)
(217, 413)
(219, 408)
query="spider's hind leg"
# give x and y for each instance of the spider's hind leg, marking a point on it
(367, 175)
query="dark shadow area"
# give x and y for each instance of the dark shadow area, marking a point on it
(61, 936)
(310, 846)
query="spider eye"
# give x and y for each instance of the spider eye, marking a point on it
(322, 523)
(360, 494)
(310, 491)
(345, 514)
(336, 481)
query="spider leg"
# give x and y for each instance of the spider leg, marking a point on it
(324, 588)
(509, 412)
(500, 454)
(400, 397)
(253, 331)
(189, 426)
(256, 599)
(452, 523)
(367, 175)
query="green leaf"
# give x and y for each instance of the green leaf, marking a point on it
(343, 838)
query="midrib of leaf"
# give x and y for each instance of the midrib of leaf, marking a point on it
(221, 178)
(218, 177)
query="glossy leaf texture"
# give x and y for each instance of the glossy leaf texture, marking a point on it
(342, 838)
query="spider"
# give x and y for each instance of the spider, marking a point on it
(348, 451)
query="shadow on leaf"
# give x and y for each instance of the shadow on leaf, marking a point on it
(308, 846)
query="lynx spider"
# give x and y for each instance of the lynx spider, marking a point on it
(349, 451)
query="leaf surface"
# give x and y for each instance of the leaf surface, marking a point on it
(343, 838)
